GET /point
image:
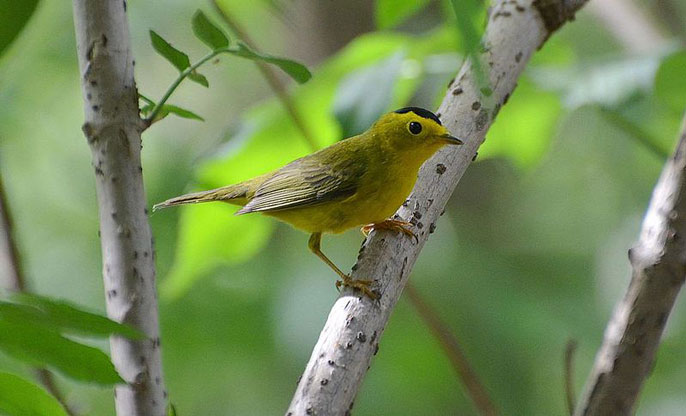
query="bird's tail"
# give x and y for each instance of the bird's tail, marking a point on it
(233, 194)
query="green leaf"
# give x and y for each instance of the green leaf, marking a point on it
(171, 410)
(177, 58)
(19, 397)
(66, 317)
(43, 347)
(181, 112)
(390, 13)
(199, 78)
(13, 18)
(297, 71)
(670, 81)
(366, 94)
(207, 32)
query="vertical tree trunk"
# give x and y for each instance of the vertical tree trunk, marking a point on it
(113, 130)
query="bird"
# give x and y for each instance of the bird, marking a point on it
(357, 182)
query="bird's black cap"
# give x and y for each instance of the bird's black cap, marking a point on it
(420, 112)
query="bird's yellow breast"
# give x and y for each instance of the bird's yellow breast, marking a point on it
(385, 185)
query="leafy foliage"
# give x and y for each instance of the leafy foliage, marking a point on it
(13, 18)
(212, 36)
(207, 32)
(19, 397)
(33, 329)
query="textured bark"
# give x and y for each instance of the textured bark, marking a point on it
(633, 333)
(113, 130)
(355, 324)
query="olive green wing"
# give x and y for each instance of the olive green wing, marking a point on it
(306, 182)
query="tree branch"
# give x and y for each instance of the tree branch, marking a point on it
(658, 259)
(113, 130)
(351, 334)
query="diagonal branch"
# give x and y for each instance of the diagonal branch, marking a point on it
(113, 131)
(351, 334)
(633, 333)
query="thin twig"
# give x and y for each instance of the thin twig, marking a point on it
(271, 77)
(570, 397)
(475, 390)
(13, 271)
(15, 282)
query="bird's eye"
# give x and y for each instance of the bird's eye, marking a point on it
(414, 127)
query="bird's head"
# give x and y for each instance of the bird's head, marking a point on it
(413, 128)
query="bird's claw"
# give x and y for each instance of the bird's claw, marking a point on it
(361, 285)
(392, 225)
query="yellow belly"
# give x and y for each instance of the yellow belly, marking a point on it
(371, 203)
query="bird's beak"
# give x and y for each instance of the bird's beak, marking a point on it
(447, 138)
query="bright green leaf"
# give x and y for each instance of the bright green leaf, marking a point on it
(366, 94)
(181, 112)
(66, 317)
(296, 70)
(13, 18)
(670, 81)
(207, 32)
(177, 58)
(390, 13)
(199, 78)
(171, 410)
(42, 347)
(19, 397)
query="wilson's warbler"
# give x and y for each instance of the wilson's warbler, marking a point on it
(360, 181)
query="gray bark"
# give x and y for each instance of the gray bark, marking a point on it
(113, 130)
(351, 335)
(633, 333)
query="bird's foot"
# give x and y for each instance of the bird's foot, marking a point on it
(392, 225)
(361, 285)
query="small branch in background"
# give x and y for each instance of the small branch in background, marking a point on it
(629, 25)
(13, 280)
(475, 390)
(570, 397)
(271, 77)
(632, 336)
(10, 263)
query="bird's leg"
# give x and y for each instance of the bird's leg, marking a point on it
(362, 285)
(392, 225)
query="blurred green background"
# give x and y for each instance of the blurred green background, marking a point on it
(530, 253)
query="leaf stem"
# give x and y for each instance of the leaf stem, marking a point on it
(185, 73)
